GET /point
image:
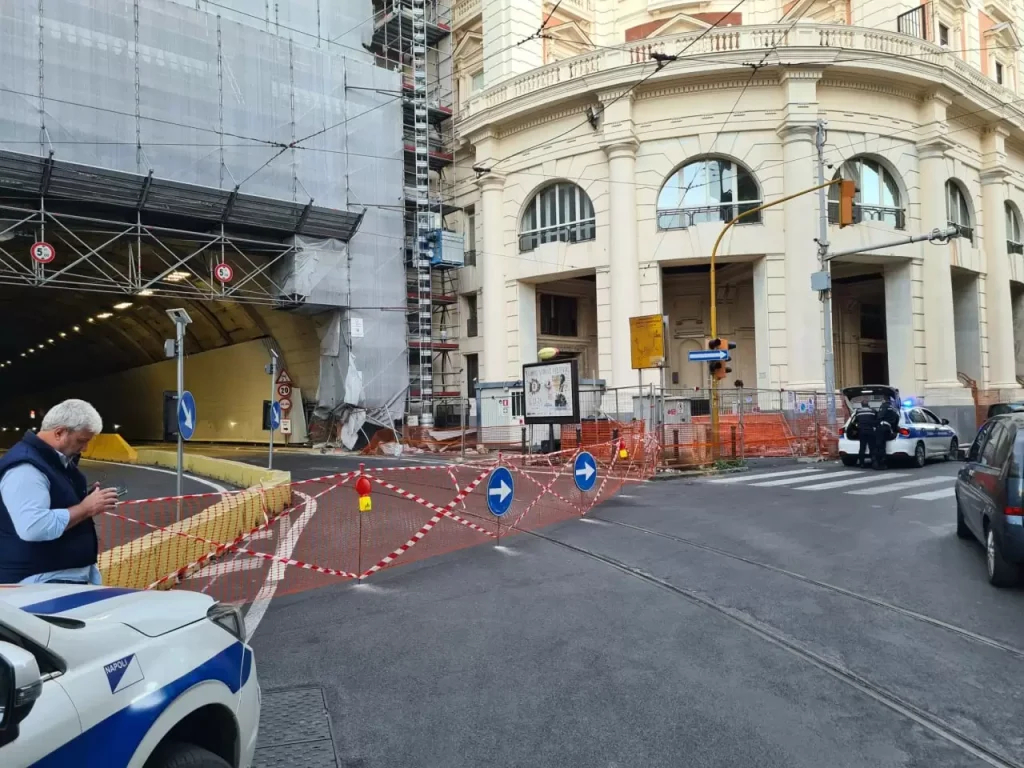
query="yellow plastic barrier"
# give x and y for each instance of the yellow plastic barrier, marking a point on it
(107, 447)
(141, 562)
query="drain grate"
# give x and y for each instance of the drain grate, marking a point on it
(295, 730)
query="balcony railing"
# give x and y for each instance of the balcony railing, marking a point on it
(1012, 247)
(735, 44)
(914, 22)
(576, 232)
(471, 327)
(684, 218)
(894, 217)
(967, 233)
(470, 258)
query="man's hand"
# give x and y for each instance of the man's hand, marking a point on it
(99, 500)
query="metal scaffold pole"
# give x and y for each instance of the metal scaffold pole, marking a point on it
(424, 224)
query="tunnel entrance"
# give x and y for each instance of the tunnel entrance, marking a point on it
(91, 260)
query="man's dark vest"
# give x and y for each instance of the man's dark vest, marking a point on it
(77, 547)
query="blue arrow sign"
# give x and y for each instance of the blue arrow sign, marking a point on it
(501, 489)
(275, 415)
(186, 415)
(584, 471)
(708, 355)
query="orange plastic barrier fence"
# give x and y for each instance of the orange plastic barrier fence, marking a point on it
(198, 542)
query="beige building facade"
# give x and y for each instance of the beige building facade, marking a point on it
(598, 160)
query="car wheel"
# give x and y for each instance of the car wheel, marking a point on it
(849, 461)
(961, 525)
(919, 455)
(181, 755)
(954, 450)
(1000, 572)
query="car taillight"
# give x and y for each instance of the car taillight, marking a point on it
(904, 432)
(1013, 511)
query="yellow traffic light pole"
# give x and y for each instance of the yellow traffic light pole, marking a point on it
(714, 303)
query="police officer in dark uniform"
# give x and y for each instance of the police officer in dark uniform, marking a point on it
(866, 422)
(888, 423)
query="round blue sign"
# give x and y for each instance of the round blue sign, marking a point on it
(186, 415)
(584, 471)
(501, 490)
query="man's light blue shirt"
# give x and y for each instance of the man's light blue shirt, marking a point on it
(26, 494)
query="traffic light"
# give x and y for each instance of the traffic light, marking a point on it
(847, 191)
(719, 369)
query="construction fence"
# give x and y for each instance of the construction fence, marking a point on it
(752, 423)
(247, 546)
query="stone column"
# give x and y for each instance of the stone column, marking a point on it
(804, 353)
(998, 305)
(511, 44)
(899, 325)
(624, 266)
(942, 386)
(491, 263)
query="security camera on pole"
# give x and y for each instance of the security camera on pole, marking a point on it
(186, 404)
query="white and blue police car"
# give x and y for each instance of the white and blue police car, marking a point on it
(101, 677)
(921, 434)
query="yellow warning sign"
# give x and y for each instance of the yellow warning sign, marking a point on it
(365, 504)
(647, 341)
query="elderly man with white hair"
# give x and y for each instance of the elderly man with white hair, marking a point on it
(46, 507)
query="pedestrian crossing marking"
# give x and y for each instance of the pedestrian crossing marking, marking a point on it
(933, 495)
(851, 481)
(795, 480)
(902, 486)
(745, 477)
(825, 479)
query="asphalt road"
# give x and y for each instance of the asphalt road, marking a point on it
(688, 623)
(143, 482)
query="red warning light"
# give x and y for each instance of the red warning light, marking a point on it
(363, 488)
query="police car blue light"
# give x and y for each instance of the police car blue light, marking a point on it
(124, 678)
(920, 436)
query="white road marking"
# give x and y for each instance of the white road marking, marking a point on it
(746, 478)
(200, 480)
(239, 562)
(933, 495)
(902, 486)
(849, 481)
(796, 480)
(290, 533)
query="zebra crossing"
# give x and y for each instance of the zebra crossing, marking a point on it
(908, 484)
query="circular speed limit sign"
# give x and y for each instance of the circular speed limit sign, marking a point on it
(284, 390)
(223, 272)
(43, 253)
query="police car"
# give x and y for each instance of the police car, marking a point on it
(109, 677)
(921, 434)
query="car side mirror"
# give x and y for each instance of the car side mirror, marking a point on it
(945, 421)
(20, 686)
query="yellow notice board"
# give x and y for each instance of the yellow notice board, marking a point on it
(647, 341)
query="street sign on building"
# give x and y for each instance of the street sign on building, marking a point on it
(708, 355)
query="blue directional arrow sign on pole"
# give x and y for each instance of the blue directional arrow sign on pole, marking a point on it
(708, 355)
(275, 415)
(584, 471)
(501, 489)
(186, 415)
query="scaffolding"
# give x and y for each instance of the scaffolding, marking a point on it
(414, 38)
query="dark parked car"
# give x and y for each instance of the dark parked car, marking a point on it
(998, 409)
(989, 492)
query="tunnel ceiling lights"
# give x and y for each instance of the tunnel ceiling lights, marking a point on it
(123, 305)
(145, 292)
(176, 277)
(104, 315)
(78, 328)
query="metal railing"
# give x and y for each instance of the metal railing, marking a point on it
(575, 232)
(914, 22)
(469, 258)
(965, 232)
(1012, 247)
(684, 218)
(471, 326)
(895, 217)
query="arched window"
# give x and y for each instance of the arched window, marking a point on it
(878, 194)
(560, 212)
(958, 212)
(709, 189)
(1013, 241)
